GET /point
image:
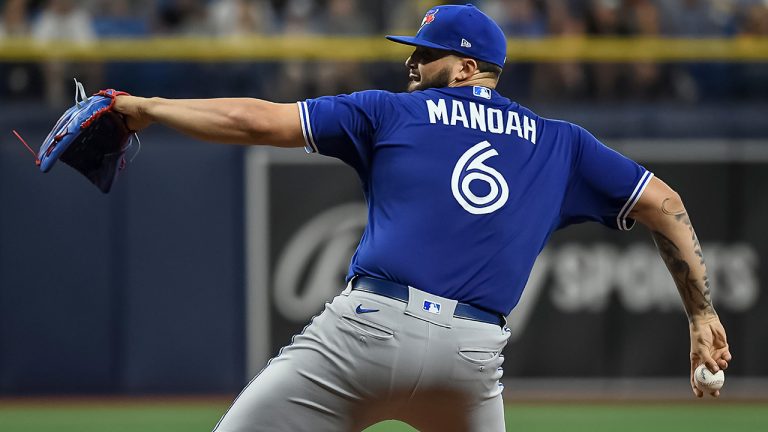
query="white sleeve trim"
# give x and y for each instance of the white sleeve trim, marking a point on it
(306, 128)
(621, 219)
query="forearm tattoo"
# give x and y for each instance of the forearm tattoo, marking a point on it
(666, 210)
(695, 292)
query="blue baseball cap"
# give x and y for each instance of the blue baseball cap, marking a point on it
(462, 29)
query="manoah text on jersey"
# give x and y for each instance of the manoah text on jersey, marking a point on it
(473, 115)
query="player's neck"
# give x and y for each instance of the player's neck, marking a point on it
(475, 80)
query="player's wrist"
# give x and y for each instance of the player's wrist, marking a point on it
(136, 111)
(705, 317)
(147, 108)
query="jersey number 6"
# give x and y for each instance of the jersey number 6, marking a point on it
(471, 167)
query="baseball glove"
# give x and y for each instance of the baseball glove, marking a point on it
(90, 137)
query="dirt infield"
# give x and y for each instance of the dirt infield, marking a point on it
(576, 405)
(173, 415)
(517, 391)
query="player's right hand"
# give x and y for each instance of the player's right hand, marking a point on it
(709, 346)
(133, 110)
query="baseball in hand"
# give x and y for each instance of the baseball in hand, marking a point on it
(706, 380)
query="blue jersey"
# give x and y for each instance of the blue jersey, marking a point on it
(464, 186)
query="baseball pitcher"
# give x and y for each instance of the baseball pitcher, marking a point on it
(464, 187)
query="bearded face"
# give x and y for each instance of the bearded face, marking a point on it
(438, 79)
(428, 68)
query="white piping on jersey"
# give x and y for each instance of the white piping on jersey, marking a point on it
(306, 128)
(621, 219)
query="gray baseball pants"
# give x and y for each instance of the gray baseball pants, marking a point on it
(369, 358)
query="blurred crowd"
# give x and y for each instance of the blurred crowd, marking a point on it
(88, 19)
(85, 21)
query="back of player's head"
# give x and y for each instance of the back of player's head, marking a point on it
(461, 29)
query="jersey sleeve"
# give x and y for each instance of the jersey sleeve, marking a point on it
(345, 126)
(604, 185)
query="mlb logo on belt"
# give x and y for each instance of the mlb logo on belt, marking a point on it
(431, 307)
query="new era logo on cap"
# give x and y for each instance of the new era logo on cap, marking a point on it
(465, 43)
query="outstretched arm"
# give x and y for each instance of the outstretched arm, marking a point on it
(661, 209)
(230, 121)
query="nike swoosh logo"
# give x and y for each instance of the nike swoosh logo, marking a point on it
(361, 310)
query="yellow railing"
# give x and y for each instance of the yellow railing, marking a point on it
(368, 49)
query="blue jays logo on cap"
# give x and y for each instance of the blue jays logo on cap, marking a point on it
(429, 17)
(431, 307)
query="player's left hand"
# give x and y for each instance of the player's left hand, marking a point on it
(709, 345)
(133, 110)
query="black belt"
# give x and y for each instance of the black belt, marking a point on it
(398, 291)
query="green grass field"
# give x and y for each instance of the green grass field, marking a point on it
(571, 417)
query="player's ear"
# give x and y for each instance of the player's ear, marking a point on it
(469, 67)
